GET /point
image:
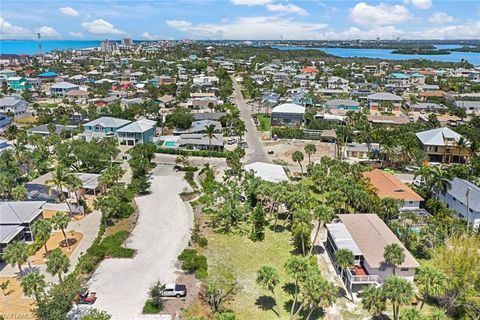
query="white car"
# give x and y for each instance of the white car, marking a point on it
(174, 290)
(231, 141)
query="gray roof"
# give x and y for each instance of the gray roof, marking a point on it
(18, 212)
(200, 139)
(459, 191)
(7, 233)
(208, 115)
(438, 137)
(11, 101)
(386, 96)
(107, 122)
(427, 105)
(468, 104)
(89, 180)
(342, 102)
(201, 126)
(43, 128)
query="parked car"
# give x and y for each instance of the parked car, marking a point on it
(243, 144)
(174, 290)
(231, 141)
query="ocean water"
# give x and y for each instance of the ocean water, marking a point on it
(386, 54)
(31, 46)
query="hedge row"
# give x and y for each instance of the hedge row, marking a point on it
(288, 133)
(194, 153)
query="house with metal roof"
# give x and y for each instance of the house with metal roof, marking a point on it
(201, 142)
(61, 88)
(366, 236)
(45, 130)
(105, 124)
(342, 104)
(141, 131)
(384, 102)
(16, 219)
(443, 145)
(288, 114)
(464, 198)
(7, 73)
(267, 171)
(18, 84)
(13, 104)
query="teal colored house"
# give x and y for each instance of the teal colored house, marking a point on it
(342, 104)
(141, 131)
(18, 84)
(107, 125)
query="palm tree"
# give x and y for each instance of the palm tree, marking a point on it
(431, 282)
(399, 291)
(424, 172)
(374, 300)
(438, 314)
(322, 213)
(41, 232)
(33, 284)
(345, 259)
(440, 180)
(155, 295)
(60, 221)
(16, 254)
(412, 314)
(267, 277)
(394, 255)
(310, 149)
(19, 193)
(324, 294)
(210, 134)
(58, 263)
(462, 144)
(297, 156)
(74, 184)
(296, 267)
(60, 179)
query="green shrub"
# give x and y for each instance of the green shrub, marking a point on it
(197, 153)
(192, 262)
(187, 254)
(151, 308)
(202, 242)
(288, 133)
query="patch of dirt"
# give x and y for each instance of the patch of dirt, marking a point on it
(283, 149)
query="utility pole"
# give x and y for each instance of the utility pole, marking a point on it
(40, 48)
(468, 206)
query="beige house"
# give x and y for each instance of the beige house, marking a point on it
(366, 236)
(443, 145)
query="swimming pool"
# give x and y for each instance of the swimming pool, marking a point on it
(169, 144)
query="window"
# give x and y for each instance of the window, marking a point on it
(403, 269)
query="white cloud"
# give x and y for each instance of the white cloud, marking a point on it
(251, 2)
(100, 26)
(76, 34)
(48, 32)
(466, 31)
(290, 8)
(384, 32)
(381, 14)
(10, 31)
(148, 36)
(441, 17)
(69, 11)
(420, 4)
(254, 28)
(177, 24)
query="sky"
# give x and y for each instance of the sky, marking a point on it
(240, 19)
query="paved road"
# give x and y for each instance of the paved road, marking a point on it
(255, 151)
(161, 233)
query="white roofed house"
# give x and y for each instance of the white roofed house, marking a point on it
(288, 114)
(14, 105)
(138, 132)
(61, 88)
(443, 145)
(366, 236)
(384, 102)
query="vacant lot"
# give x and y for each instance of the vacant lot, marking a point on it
(283, 149)
(264, 122)
(243, 258)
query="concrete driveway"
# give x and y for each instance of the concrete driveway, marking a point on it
(161, 233)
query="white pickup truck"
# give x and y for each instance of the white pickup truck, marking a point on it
(174, 290)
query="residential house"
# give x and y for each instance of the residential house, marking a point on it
(5, 145)
(366, 236)
(103, 127)
(426, 107)
(384, 102)
(45, 130)
(464, 198)
(287, 114)
(18, 84)
(360, 151)
(7, 73)
(201, 142)
(14, 105)
(469, 106)
(138, 132)
(79, 96)
(48, 76)
(389, 186)
(216, 116)
(342, 104)
(4, 121)
(200, 126)
(442, 145)
(61, 88)
(267, 171)
(16, 219)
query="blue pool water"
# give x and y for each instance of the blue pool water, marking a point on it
(472, 57)
(169, 144)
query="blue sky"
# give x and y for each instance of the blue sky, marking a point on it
(240, 19)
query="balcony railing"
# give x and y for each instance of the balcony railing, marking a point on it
(363, 278)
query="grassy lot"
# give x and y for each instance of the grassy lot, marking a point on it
(244, 257)
(26, 120)
(264, 122)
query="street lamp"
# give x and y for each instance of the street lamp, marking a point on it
(468, 206)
